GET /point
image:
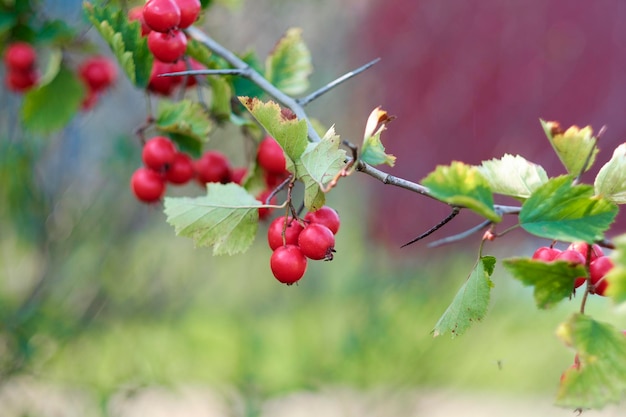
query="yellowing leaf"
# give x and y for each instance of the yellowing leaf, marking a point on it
(289, 64)
(610, 182)
(513, 176)
(373, 151)
(616, 277)
(574, 146)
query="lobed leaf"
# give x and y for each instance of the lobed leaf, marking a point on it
(186, 121)
(610, 182)
(288, 66)
(372, 150)
(462, 185)
(574, 146)
(513, 176)
(600, 378)
(319, 164)
(471, 301)
(562, 211)
(553, 281)
(226, 218)
(616, 277)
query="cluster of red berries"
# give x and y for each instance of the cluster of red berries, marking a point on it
(294, 241)
(162, 22)
(20, 59)
(98, 73)
(576, 253)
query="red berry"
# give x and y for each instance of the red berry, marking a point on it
(136, 13)
(583, 247)
(20, 56)
(271, 156)
(325, 215)
(264, 212)
(317, 242)
(98, 72)
(90, 100)
(597, 273)
(164, 85)
(147, 185)
(212, 166)
(191, 79)
(275, 232)
(161, 15)
(189, 11)
(545, 254)
(288, 264)
(181, 169)
(167, 47)
(21, 82)
(574, 257)
(158, 153)
(238, 175)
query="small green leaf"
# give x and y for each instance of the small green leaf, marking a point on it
(610, 182)
(562, 211)
(553, 281)
(199, 52)
(56, 32)
(242, 85)
(220, 97)
(574, 146)
(125, 40)
(616, 277)
(600, 379)
(462, 185)
(373, 151)
(184, 118)
(513, 176)
(471, 302)
(317, 166)
(291, 134)
(52, 106)
(289, 64)
(226, 218)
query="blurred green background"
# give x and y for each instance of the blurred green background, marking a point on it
(98, 295)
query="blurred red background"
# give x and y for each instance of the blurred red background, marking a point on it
(469, 81)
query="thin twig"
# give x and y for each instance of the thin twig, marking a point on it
(452, 215)
(226, 71)
(460, 236)
(316, 94)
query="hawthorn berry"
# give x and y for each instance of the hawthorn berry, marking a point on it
(574, 257)
(271, 157)
(275, 232)
(288, 264)
(238, 175)
(583, 248)
(212, 166)
(325, 215)
(317, 242)
(147, 185)
(20, 82)
(164, 85)
(167, 47)
(181, 170)
(158, 153)
(20, 56)
(598, 269)
(189, 11)
(98, 73)
(136, 13)
(161, 15)
(545, 254)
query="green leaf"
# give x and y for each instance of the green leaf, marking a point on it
(513, 176)
(220, 97)
(52, 106)
(56, 32)
(319, 164)
(8, 19)
(471, 302)
(373, 151)
(226, 218)
(242, 85)
(291, 134)
(616, 278)
(125, 40)
(199, 52)
(553, 281)
(289, 64)
(186, 121)
(462, 185)
(574, 146)
(562, 211)
(610, 182)
(600, 379)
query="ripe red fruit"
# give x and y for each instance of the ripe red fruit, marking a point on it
(164, 85)
(597, 273)
(147, 185)
(317, 242)
(158, 153)
(194, 65)
(325, 215)
(288, 264)
(136, 13)
(275, 232)
(238, 174)
(161, 15)
(212, 166)
(21, 82)
(181, 169)
(167, 47)
(264, 212)
(574, 257)
(20, 56)
(583, 247)
(189, 11)
(98, 72)
(271, 157)
(545, 254)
